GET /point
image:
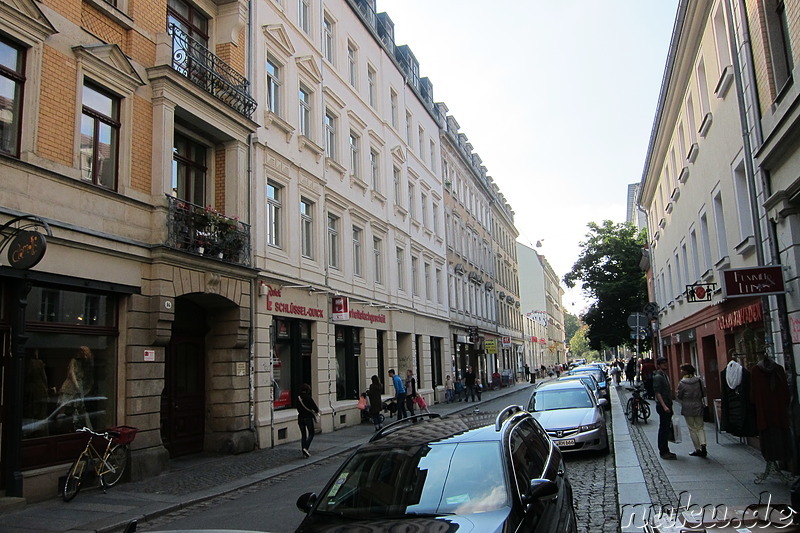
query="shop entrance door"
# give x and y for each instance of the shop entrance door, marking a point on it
(711, 371)
(183, 400)
(5, 367)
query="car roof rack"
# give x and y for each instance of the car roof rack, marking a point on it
(403, 422)
(505, 414)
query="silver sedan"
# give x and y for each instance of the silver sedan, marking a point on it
(571, 415)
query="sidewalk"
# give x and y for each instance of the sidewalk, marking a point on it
(723, 480)
(193, 480)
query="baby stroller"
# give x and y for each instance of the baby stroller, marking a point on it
(390, 405)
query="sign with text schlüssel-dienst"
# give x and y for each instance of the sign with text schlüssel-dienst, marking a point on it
(754, 281)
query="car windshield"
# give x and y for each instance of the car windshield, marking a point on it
(599, 374)
(422, 480)
(557, 398)
(589, 380)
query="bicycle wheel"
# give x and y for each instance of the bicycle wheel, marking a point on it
(72, 485)
(630, 410)
(644, 411)
(115, 465)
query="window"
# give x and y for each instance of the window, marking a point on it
(333, 241)
(435, 216)
(330, 135)
(415, 276)
(12, 83)
(685, 262)
(400, 268)
(189, 170)
(189, 20)
(780, 47)
(395, 116)
(274, 214)
(721, 39)
(377, 253)
(428, 292)
(357, 253)
(396, 181)
(355, 154)
(328, 40)
(439, 287)
(371, 86)
(424, 207)
(432, 155)
(421, 140)
(305, 111)
(706, 242)
(742, 192)
(303, 16)
(306, 228)
(411, 204)
(719, 219)
(99, 137)
(73, 337)
(702, 88)
(408, 128)
(695, 254)
(352, 64)
(375, 169)
(273, 86)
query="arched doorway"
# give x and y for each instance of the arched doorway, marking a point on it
(183, 398)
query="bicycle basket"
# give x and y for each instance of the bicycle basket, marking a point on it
(126, 434)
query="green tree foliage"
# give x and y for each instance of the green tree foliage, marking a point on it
(609, 274)
(571, 325)
(579, 343)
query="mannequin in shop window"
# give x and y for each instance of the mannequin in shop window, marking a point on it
(738, 416)
(79, 382)
(770, 394)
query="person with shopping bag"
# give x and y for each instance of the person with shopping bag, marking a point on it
(307, 415)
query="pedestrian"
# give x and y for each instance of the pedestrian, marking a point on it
(399, 394)
(374, 393)
(663, 392)
(630, 370)
(557, 369)
(307, 414)
(449, 389)
(411, 391)
(459, 389)
(646, 374)
(527, 372)
(469, 384)
(478, 388)
(691, 394)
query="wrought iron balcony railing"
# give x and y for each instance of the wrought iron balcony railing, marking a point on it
(203, 231)
(192, 59)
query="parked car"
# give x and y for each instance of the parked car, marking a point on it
(571, 415)
(67, 417)
(472, 473)
(602, 379)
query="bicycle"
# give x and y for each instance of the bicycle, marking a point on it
(637, 407)
(108, 466)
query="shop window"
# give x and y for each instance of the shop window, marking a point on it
(70, 363)
(348, 350)
(291, 363)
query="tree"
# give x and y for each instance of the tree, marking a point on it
(609, 274)
(571, 325)
(578, 343)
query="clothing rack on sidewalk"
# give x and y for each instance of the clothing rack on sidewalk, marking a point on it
(772, 468)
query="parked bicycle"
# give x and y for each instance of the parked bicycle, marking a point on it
(108, 466)
(637, 407)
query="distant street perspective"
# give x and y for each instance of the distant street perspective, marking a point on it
(399, 265)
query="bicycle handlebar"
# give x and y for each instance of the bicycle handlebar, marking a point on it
(106, 434)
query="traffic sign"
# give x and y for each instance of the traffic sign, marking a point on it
(637, 320)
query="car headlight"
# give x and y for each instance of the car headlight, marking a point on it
(590, 427)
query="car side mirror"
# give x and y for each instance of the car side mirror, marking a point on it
(306, 501)
(602, 402)
(541, 489)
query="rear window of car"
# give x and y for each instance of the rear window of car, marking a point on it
(453, 478)
(549, 399)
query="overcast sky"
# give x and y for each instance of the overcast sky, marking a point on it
(556, 96)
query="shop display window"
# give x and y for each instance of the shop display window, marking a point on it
(70, 363)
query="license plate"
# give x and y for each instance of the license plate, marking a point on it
(564, 442)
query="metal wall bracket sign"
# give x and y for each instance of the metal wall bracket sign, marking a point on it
(700, 292)
(23, 238)
(754, 281)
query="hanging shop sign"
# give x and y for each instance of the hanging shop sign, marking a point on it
(490, 346)
(24, 243)
(700, 292)
(340, 308)
(740, 317)
(506, 341)
(754, 281)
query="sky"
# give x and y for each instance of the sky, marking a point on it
(557, 97)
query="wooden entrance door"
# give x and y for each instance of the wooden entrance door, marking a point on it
(183, 399)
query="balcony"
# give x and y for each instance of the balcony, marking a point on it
(193, 60)
(203, 231)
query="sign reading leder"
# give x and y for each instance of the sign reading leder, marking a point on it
(755, 281)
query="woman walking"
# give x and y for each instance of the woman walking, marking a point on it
(374, 394)
(691, 395)
(307, 413)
